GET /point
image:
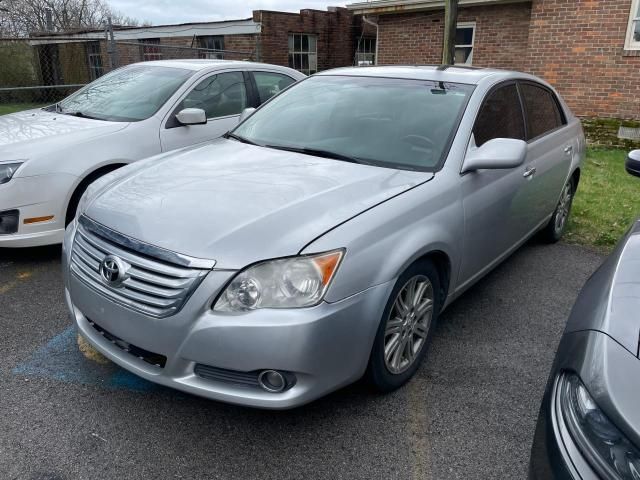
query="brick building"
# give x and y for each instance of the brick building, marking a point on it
(588, 49)
(309, 41)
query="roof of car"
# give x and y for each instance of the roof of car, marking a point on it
(444, 73)
(201, 64)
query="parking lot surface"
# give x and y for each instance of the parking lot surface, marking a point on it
(468, 414)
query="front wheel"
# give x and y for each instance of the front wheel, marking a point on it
(556, 227)
(406, 327)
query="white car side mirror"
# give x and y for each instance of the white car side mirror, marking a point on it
(192, 116)
(246, 113)
(499, 153)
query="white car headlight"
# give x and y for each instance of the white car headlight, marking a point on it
(7, 170)
(293, 282)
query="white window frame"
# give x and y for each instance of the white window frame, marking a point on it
(366, 51)
(311, 54)
(634, 19)
(471, 25)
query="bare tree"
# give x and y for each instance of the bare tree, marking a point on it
(22, 17)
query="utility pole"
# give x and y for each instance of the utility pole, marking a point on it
(113, 48)
(450, 23)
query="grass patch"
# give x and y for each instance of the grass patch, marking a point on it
(607, 202)
(17, 107)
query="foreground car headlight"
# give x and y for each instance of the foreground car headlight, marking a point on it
(603, 445)
(7, 170)
(294, 282)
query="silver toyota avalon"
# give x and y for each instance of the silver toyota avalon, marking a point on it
(319, 241)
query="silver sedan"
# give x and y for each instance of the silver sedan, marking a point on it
(320, 240)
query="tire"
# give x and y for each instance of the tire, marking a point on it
(554, 230)
(388, 374)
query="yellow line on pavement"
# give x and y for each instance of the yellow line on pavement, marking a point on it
(418, 429)
(20, 277)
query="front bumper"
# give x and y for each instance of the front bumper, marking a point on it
(325, 347)
(610, 373)
(36, 197)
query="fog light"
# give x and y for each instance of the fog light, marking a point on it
(272, 381)
(9, 222)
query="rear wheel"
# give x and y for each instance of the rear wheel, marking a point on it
(406, 327)
(556, 227)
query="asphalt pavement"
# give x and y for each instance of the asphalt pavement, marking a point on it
(468, 414)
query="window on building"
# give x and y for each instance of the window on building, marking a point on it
(94, 60)
(465, 33)
(633, 34)
(303, 52)
(366, 52)
(270, 84)
(211, 43)
(543, 112)
(219, 95)
(151, 49)
(500, 116)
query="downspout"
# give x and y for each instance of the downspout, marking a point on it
(366, 20)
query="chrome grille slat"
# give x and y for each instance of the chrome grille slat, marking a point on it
(152, 287)
(142, 262)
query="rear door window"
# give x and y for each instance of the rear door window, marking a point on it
(542, 110)
(500, 116)
(270, 84)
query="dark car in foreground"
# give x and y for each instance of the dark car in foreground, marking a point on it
(589, 423)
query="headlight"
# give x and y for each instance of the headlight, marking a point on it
(7, 170)
(294, 282)
(605, 447)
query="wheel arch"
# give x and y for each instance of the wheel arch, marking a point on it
(83, 182)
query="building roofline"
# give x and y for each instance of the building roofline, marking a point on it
(161, 30)
(382, 7)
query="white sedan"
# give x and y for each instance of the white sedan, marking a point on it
(49, 156)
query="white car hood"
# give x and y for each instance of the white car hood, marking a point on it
(26, 134)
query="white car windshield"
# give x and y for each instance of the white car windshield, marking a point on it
(390, 122)
(128, 94)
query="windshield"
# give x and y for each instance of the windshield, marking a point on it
(387, 122)
(126, 95)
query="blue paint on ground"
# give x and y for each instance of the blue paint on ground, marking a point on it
(60, 359)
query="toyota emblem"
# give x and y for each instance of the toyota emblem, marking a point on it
(113, 271)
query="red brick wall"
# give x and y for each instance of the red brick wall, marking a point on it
(416, 38)
(578, 46)
(336, 32)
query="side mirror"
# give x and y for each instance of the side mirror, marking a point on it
(499, 153)
(246, 113)
(191, 116)
(633, 163)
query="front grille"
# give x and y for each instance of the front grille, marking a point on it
(243, 379)
(151, 358)
(152, 286)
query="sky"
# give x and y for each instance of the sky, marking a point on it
(160, 12)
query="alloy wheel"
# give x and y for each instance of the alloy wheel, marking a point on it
(564, 207)
(408, 324)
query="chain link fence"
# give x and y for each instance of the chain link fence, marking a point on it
(37, 72)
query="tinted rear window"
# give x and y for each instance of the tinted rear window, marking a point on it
(543, 112)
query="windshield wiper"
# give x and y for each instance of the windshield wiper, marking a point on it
(80, 114)
(316, 152)
(239, 138)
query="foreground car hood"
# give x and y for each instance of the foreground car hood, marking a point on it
(238, 204)
(26, 133)
(610, 300)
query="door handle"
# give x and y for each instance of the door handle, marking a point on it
(568, 149)
(529, 172)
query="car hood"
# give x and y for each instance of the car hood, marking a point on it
(25, 134)
(610, 300)
(238, 204)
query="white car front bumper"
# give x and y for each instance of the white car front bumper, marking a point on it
(36, 197)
